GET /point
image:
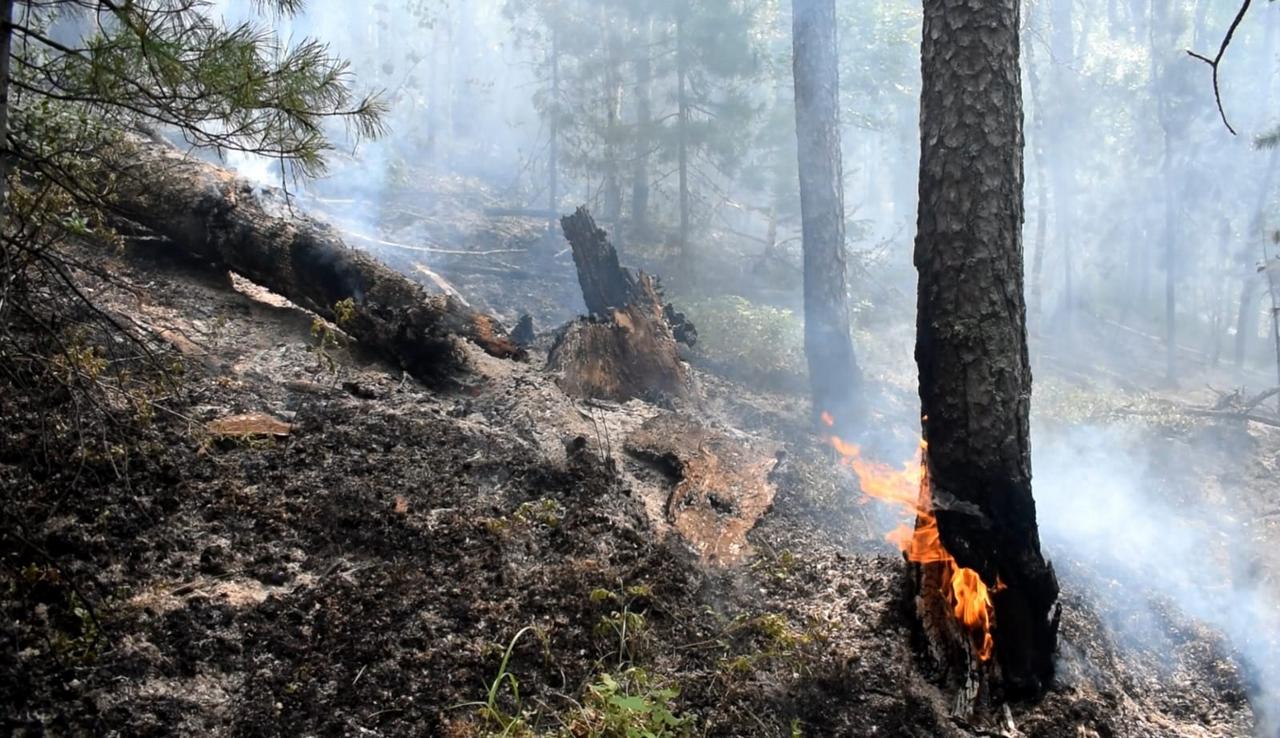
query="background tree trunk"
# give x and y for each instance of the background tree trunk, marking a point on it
(971, 345)
(1062, 168)
(644, 122)
(553, 155)
(1042, 191)
(682, 145)
(834, 377)
(613, 119)
(6, 40)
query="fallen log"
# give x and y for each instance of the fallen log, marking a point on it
(626, 348)
(217, 217)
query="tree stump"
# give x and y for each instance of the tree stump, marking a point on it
(626, 348)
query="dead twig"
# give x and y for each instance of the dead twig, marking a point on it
(1217, 60)
(1260, 398)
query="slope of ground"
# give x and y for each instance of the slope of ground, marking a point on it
(380, 567)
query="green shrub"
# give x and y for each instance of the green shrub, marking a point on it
(748, 340)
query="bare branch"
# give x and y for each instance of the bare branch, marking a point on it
(1217, 60)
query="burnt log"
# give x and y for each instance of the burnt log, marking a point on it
(217, 217)
(626, 348)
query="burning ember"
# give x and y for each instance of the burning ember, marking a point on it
(908, 488)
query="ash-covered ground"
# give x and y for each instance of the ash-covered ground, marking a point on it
(491, 557)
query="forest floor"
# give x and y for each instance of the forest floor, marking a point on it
(492, 557)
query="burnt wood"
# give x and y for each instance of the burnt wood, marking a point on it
(211, 214)
(971, 346)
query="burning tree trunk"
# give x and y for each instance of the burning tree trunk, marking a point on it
(975, 378)
(214, 216)
(626, 348)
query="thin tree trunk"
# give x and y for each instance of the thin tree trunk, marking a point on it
(612, 186)
(1042, 191)
(6, 41)
(1245, 325)
(833, 371)
(971, 344)
(553, 155)
(1062, 43)
(682, 144)
(1162, 43)
(1270, 267)
(644, 123)
(1171, 268)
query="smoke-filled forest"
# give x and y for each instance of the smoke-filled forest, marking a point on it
(640, 368)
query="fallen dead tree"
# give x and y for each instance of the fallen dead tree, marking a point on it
(214, 216)
(626, 347)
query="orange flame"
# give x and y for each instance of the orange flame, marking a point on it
(908, 488)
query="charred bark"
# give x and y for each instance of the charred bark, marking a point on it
(975, 376)
(627, 347)
(834, 377)
(214, 216)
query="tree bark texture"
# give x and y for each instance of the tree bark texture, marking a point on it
(834, 377)
(214, 216)
(971, 346)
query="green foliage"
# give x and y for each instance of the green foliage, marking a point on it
(630, 705)
(502, 712)
(172, 63)
(756, 340)
(623, 624)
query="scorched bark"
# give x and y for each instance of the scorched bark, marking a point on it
(209, 213)
(975, 377)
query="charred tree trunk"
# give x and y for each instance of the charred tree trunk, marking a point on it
(212, 215)
(834, 378)
(626, 348)
(971, 346)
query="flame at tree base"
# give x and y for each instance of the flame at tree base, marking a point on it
(967, 596)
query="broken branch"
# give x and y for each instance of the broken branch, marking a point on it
(1217, 60)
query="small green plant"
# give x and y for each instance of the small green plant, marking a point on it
(326, 340)
(495, 717)
(624, 623)
(779, 567)
(344, 311)
(545, 512)
(772, 642)
(630, 705)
